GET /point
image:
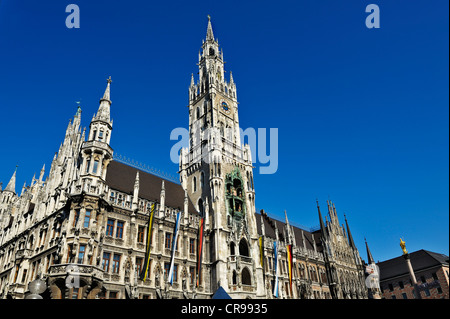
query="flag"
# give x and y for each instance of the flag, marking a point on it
(199, 249)
(261, 254)
(144, 272)
(174, 248)
(289, 259)
(275, 286)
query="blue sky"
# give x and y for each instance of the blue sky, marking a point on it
(362, 114)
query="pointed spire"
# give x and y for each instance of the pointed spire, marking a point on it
(370, 259)
(12, 182)
(41, 175)
(349, 234)
(192, 80)
(209, 32)
(231, 78)
(263, 227)
(322, 226)
(105, 103)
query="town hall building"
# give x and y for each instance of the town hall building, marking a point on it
(84, 229)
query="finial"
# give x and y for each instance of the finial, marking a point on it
(209, 17)
(109, 80)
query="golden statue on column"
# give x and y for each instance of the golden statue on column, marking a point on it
(403, 246)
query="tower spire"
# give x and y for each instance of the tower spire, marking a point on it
(349, 234)
(105, 103)
(209, 31)
(369, 254)
(12, 182)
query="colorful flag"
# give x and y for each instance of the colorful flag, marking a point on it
(144, 272)
(275, 286)
(289, 258)
(174, 247)
(200, 249)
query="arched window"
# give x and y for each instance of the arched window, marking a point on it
(246, 277)
(194, 184)
(234, 277)
(202, 179)
(243, 248)
(200, 206)
(211, 51)
(232, 249)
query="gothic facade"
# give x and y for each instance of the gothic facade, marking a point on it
(83, 229)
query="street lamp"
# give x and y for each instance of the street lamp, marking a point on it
(36, 287)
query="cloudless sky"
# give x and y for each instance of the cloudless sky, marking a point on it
(362, 114)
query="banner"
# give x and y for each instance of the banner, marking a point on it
(174, 248)
(289, 259)
(144, 272)
(200, 249)
(261, 254)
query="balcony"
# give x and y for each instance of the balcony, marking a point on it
(23, 253)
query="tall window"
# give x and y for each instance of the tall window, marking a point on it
(110, 227)
(106, 259)
(191, 245)
(194, 184)
(94, 170)
(88, 164)
(168, 240)
(139, 263)
(87, 219)
(75, 293)
(202, 179)
(119, 230)
(75, 219)
(116, 263)
(141, 234)
(81, 254)
(100, 135)
(166, 270)
(192, 275)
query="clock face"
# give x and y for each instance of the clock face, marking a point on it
(225, 106)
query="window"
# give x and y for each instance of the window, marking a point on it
(191, 245)
(106, 259)
(75, 219)
(202, 179)
(116, 263)
(435, 277)
(422, 278)
(394, 297)
(192, 275)
(24, 275)
(168, 240)
(109, 227)
(141, 234)
(194, 184)
(246, 279)
(427, 292)
(81, 254)
(119, 230)
(400, 283)
(404, 295)
(94, 170)
(391, 288)
(88, 164)
(439, 289)
(139, 263)
(113, 295)
(166, 270)
(87, 219)
(175, 273)
(75, 293)
(100, 135)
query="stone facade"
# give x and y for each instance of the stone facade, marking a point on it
(83, 229)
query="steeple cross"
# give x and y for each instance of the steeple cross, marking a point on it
(109, 80)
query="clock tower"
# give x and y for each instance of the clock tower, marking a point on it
(217, 173)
